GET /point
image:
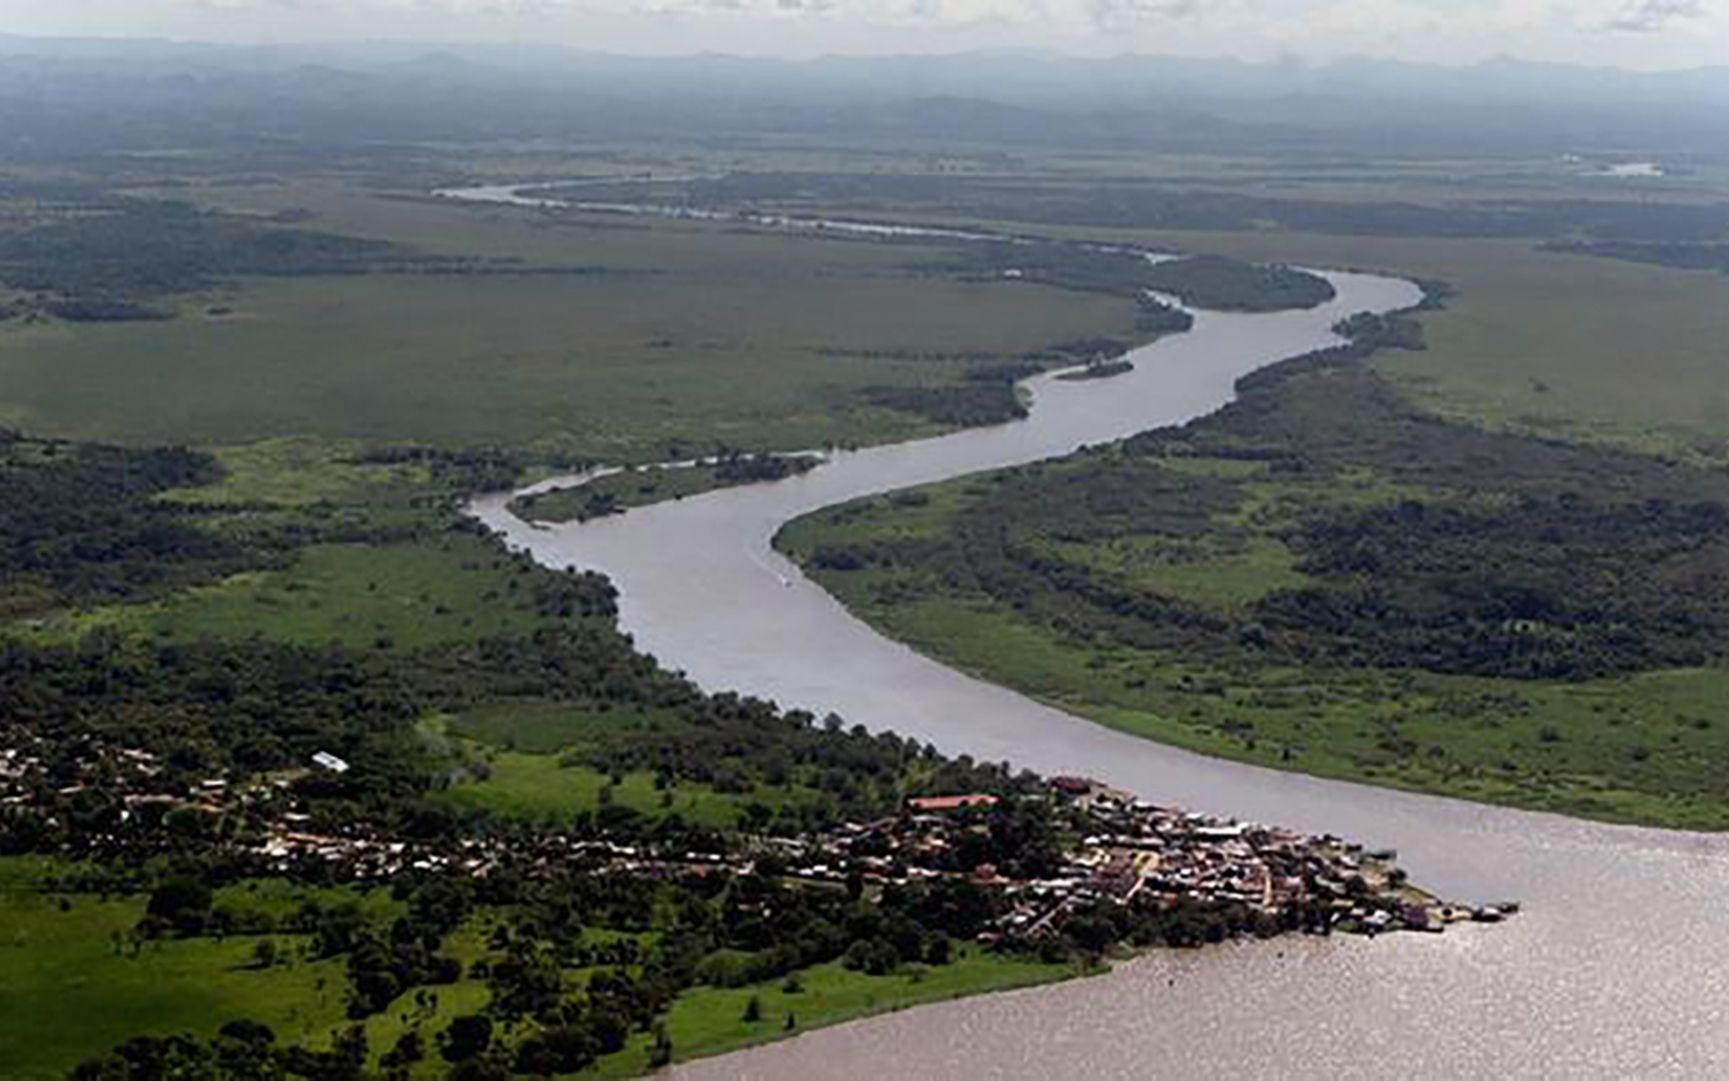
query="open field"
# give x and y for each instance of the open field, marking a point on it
(68, 990)
(399, 597)
(1563, 345)
(538, 787)
(533, 768)
(613, 367)
(73, 983)
(682, 331)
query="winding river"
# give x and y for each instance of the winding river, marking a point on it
(1612, 969)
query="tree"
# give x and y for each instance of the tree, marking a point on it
(659, 1051)
(181, 902)
(939, 950)
(466, 1038)
(752, 1011)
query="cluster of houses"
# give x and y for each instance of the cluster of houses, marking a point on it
(29, 775)
(1127, 849)
(1116, 848)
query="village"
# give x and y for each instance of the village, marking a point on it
(1115, 849)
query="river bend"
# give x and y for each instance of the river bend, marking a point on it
(1614, 969)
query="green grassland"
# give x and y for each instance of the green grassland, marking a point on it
(75, 980)
(529, 765)
(608, 366)
(1560, 344)
(1563, 345)
(401, 596)
(692, 331)
(540, 787)
(70, 985)
(295, 473)
(547, 728)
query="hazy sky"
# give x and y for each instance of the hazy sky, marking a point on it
(1642, 33)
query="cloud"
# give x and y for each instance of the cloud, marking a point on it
(1119, 13)
(899, 13)
(1652, 16)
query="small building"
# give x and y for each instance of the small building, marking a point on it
(326, 760)
(939, 804)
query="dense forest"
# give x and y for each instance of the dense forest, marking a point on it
(119, 259)
(1221, 284)
(1688, 254)
(97, 265)
(81, 523)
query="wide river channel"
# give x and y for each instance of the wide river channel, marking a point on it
(1617, 967)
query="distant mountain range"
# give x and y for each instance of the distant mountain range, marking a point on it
(105, 92)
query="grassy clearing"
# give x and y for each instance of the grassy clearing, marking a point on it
(709, 1020)
(528, 773)
(534, 786)
(401, 597)
(300, 472)
(543, 728)
(442, 1005)
(67, 992)
(1232, 574)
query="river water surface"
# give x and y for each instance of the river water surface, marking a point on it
(1614, 969)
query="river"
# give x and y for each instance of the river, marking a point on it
(1611, 970)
